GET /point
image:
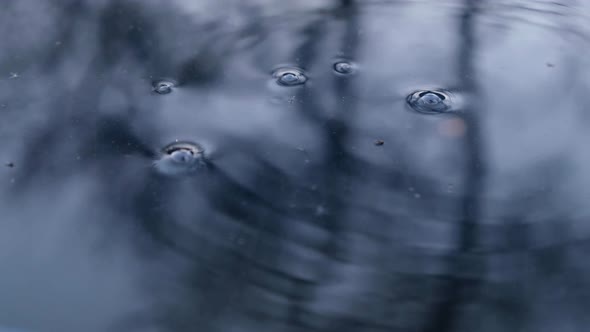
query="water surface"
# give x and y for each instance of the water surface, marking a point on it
(257, 166)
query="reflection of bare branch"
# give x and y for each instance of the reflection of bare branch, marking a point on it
(337, 164)
(454, 293)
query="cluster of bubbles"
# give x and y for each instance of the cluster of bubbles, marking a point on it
(284, 76)
(184, 157)
(292, 76)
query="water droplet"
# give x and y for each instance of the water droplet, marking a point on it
(163, 87)
(430, 101)
(289, 76)
(344, 67)
(180, 158)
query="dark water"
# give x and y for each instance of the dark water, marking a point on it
(244, 166)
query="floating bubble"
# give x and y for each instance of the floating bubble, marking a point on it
(180, 158)
(163, 87)
(430, 101)
(289, 76)
(344, 67)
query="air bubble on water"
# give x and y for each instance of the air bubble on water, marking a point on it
(344, 67)
(430, 101)
(163, 87)
(289, 76)
(180, 158)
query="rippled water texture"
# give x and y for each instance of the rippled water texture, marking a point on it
(253, 166)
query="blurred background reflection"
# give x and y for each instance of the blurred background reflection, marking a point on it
(322, 200)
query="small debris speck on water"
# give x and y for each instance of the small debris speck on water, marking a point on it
(10, 165)
(550, 65)
(379, 142)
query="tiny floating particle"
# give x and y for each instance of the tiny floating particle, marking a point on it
(379, 142)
